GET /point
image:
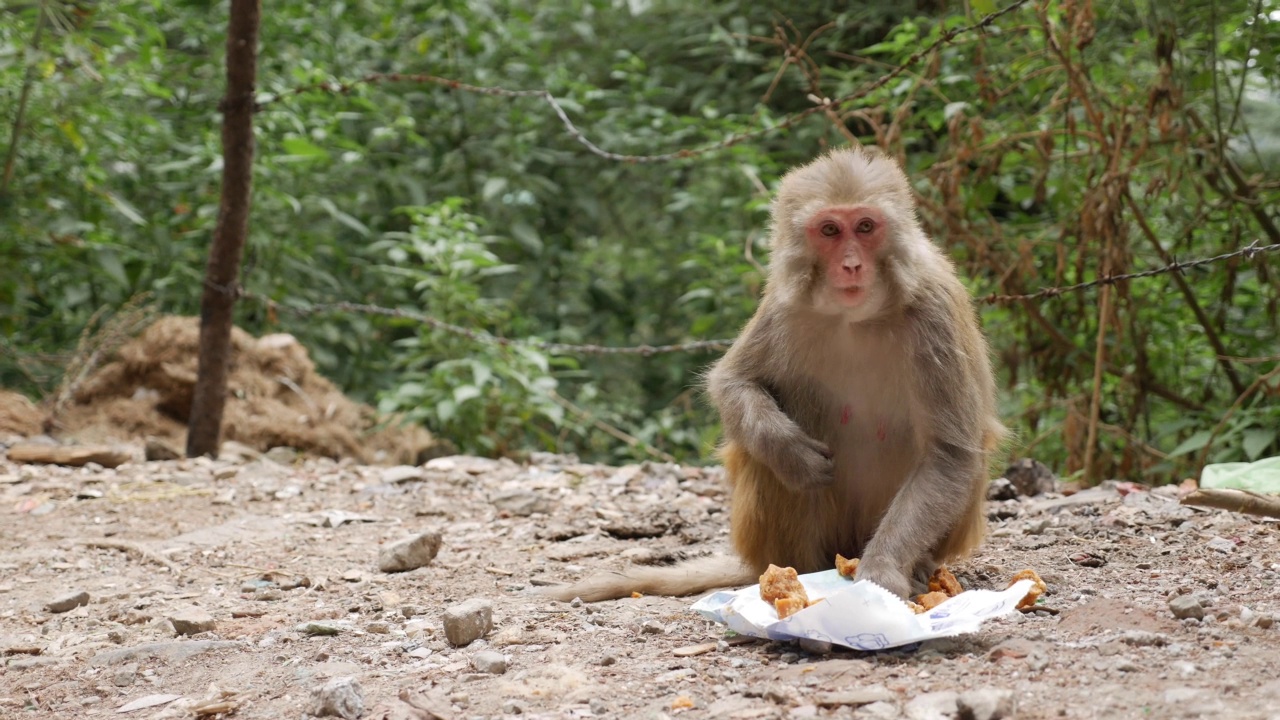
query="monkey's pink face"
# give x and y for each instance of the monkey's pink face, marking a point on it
(846, 240)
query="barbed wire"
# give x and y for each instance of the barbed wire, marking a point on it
(581, 138)
(1248, 252)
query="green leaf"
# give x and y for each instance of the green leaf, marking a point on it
(1196, 442)
(302, 147)
(126, 209)
(524, 233)
(463, 393)
(1257, 440)
(984, 7)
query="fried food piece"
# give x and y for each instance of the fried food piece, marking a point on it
(943, 581)
(778, 582)
(917, 609)
(1036, 590)
(788, 606)
(845, 566)
(931, 600)
(781, 586)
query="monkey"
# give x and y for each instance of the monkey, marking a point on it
(857, 405)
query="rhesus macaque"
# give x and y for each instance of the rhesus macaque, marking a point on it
(858, 404)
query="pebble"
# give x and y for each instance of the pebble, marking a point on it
(933, 706)
(880, 710)
(985, 704)
(1186, 606)
(125, 675)
(378, 627)
(521, 503)
(652, 627)
(489, 661)
(340, 697)
(70, 601)
(513, 707)
(402, 474)
(467, 622)
(410, 553)
(319, 627)
(1264, 621)
(855, 697)
(192, 620)
(1221, 545)
(598, 706)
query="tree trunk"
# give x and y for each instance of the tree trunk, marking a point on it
(221, 276)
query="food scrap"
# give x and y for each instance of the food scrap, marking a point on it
(930, 600)
(781, 587)
(942, 580)
(846, 567)
(1036, 590)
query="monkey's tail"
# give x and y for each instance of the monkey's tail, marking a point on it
(691, 576)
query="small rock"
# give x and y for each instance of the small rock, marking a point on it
(881, 709)
(933, 706)
(410, 553)
(489, 661)
(856, 697)
(1144, 638)
(282, 455)
(652, 627)
(1014, 648)
(340, 697)
(1031, 477)
(1001, 489)
(1264, 621)
(468, 622)
(521, 503)
(192, 620)
(1186, 606)
(513, 707)
(157, 449)
(378, 627)
(125, 675)
(1221, 545)
(986, 704)
(598, 706)
(401, 474)
(226, 473)
(608, 659)
(70, 601)
(815, 647)
(319, 628)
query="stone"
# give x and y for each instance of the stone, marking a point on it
(67, 602)
(521, 503)
(467, 622)
(985, 704)
(1221, 544)
(192, 620)
(282, 455)
(320, 628)
(401, 474)
(125, 675)
(410, 553)
(1031, 477)
(855, 697)
(157, 450)
(1186, 606)
(340, 697)
(513, 707)
(489, 661)
(933, 706)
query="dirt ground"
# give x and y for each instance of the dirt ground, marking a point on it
(277, 549)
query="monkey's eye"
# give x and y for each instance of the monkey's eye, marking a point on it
(829, 229)
(865, 226)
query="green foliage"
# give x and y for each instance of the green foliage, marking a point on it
(1036, 167)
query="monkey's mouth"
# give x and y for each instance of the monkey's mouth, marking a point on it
(850, 295)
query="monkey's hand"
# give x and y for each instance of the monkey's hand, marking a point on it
(885, 573)
(798, 460)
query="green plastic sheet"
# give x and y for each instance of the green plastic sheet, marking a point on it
(1261, 476)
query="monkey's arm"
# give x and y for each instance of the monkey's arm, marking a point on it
(947, 417)
(751, 416)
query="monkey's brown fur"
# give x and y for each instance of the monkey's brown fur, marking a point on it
(858, 404)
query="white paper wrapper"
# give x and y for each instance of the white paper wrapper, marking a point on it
(861, 615)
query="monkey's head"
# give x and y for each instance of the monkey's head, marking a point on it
(843, 225)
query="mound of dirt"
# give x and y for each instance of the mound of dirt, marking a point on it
(274, 398)
(18, 415)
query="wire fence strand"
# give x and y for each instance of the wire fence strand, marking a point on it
(1248, 252)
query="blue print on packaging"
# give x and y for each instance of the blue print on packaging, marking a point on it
(867, 641)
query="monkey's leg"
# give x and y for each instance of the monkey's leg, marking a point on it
(771, 523)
